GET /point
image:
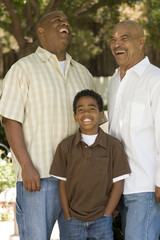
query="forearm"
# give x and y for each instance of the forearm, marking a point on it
(14, 134)
(30, 175)
(114, 197)
(64, 200)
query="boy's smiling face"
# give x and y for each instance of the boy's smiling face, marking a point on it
(88, 115)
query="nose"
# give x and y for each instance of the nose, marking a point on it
(65, 23)
(118, 42)
(115, 43)
(86, 112)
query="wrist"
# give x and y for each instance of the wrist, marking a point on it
(107, 213)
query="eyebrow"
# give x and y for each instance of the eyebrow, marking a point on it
(60, 16)
(124, 35)
(90, 105)
(51, 18)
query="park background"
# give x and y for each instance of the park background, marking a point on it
(92, 22)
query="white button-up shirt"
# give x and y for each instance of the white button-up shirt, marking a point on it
(134, 116)
(39, 95)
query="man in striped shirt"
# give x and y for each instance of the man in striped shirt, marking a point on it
(36, 111)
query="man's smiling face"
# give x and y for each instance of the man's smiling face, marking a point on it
(55, 30)
(126, 45)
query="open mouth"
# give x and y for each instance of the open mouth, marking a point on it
(87, 120)
(64, 30)
(119, 52)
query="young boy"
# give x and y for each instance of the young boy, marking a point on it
(91, 166)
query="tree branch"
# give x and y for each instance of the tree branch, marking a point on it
(52, 6)
(31, 17)
(18, 33)
(36, 6)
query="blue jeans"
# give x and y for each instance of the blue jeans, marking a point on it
(37, 212)
(140, 215)
(100, 229)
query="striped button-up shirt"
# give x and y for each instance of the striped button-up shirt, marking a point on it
(39, 95)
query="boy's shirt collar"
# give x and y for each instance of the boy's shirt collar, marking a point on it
(100, 139)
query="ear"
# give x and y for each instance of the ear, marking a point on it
(40, 31)
(75, 117)
(101, 115)
(141, 43)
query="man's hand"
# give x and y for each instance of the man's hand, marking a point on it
(30, 175)
(157, 193)
(31, 178)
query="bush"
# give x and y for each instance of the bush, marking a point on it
(7, 176)
(7, 180)
(6, 211)
(3, 136)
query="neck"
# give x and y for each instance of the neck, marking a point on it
(122, 73)
(60, 57)
(60, 52)
(123, 69)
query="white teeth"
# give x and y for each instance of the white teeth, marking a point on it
(64, 30)
(119, 52)
(87, 120)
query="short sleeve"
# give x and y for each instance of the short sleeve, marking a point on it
(120, 161)
(59, 164)
(14, 94)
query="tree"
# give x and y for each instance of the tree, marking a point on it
(91, 20)
(152, 11)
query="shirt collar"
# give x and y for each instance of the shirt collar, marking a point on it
(44, 55)
(139, 68)
(100, 140)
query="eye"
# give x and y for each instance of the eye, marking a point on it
(92, 109)
(80, 110)
(124, 39)
(112, 40)
(57, 20)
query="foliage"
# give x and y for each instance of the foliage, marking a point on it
(152, 9)
(3, 136)
(7, 180)
(91, 20)
(7, 176)
(6, 211)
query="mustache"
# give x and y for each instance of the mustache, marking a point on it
(120, 49)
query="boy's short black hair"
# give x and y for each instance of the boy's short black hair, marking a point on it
(85, 93)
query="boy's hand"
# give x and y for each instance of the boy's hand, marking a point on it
(157, 193)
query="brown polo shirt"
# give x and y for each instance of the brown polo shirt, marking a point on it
(89, 172)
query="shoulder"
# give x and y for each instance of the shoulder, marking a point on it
(67, 142)
(23, 62)
(80, 66)
(113, 83)
(152, 71)
(154, 68)
(113, 140)
(110, 140)
(114, 143)
(152, 77)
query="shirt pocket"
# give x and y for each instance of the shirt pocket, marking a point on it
(134, 114)
(100, 166)
(137, 112)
